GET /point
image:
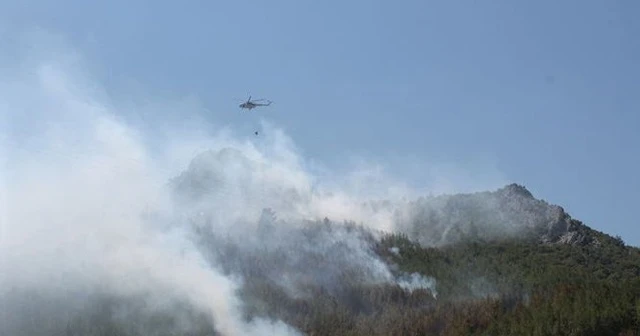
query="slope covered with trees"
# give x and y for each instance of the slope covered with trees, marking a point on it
(490, 263)
(498, 288)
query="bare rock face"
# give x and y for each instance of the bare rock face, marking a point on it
(550, 222)
(572, 238)
(507, 213)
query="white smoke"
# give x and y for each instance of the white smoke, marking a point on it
(86, 207)
(416, 281)
(77, 183)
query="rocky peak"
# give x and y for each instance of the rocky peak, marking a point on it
(515, 189)
(509, 212)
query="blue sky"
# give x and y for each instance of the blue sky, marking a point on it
(542, 93)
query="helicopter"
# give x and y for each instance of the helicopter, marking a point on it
(252, 104)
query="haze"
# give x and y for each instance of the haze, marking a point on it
(104, 109)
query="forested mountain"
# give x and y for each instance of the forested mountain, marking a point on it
(491, 263)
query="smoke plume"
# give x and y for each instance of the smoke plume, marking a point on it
(100, 220)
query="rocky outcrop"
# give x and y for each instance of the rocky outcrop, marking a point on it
(509, 212)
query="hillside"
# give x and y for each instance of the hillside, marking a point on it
(490, 263)
(497, 250)
(499, 288)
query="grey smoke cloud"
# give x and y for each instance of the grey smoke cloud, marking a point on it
(97, 201)
(87, 209)
(77, 182)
